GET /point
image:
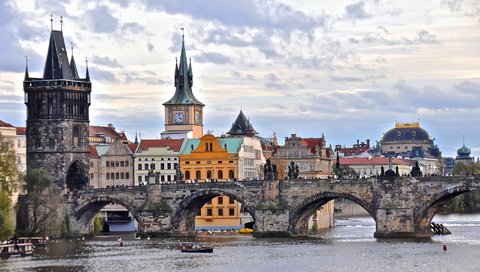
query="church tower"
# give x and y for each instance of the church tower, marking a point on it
(183, 112)
(58, 117)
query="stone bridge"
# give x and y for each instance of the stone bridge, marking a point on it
(402, 207)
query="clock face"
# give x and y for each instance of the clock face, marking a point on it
(197, 117)
(178, 117)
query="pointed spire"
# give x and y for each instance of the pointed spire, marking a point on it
(337, 163)
(51, 22)
(190, 75)
(242, 126)
(61, 23)
(136, 139)
(183, 81)
(26, 68)
(73, 66)
(87, 74)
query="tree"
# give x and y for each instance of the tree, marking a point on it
(9, 176)
(344, 172)
(466, 168)
(281, 167)
(44, 202)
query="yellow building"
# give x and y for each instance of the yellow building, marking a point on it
(212, 159)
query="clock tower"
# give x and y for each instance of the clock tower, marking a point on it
(183, 112)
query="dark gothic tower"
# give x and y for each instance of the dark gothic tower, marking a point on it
(58, 118)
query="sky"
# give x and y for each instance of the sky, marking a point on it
(347, 69)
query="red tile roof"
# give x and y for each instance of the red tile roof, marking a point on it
(373, 161)
(132, 147)
(172, 144)
(21, 130)
(5, 124)
(312, 143)
(93, 151)
(93, 131)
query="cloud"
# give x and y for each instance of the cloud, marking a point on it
(345, 79)
(468, 87)
(101, 75)
(106, 61)
(101, 20)
(211, 57)
(356, 11)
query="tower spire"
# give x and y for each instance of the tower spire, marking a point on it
(73, 65)
(51, 22)
(26, 68)
(61, 23)
(87, 75)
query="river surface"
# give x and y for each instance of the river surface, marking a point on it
(349, 246)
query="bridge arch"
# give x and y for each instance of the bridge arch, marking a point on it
(299, 215)
(183, 219)
(425, 212)
(88, 209)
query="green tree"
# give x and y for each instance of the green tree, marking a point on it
(344, 172)
(463, 168)
(44, 202)
(9, 176)
(97, 225)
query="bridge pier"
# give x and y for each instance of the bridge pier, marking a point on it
(271, 222)
(398, 223)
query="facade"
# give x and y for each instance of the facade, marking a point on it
(368, 167)
(159, 157)
(409, 140)
(58, 118)
(212, 159)
(183, 112)
(448, 165)
(21, 148)
(250, 155)
(111, 165)
(311, 155)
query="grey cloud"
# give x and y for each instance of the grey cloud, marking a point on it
(468, 87)
(106, 61)
(133, 28)
(101, 20)
(453, 5)
(424, 37)
(150, 46)
(356, 11)
(347, 79)
(212, 57)
(101, 75)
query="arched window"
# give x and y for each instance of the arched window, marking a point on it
(211, 147)
(220, 174)
(206, 146)
(75, 136)
(231, 174)
(198, 175)
(209, 174)
(187, 174)
(191, 146)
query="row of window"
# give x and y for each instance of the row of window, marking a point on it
(155, 179)
(210, 174)
(152, 166)
(231, 212)
(153, 159)
(117, 175)
(117, 163)
(208, 162)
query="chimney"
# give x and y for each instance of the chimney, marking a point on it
(368, 143)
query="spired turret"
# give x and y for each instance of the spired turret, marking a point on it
(58, 118)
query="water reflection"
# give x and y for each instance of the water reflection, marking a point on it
(348, 247)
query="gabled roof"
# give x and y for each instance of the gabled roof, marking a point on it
(93, 151)
(132, 147)
(108, 131)
(173, 144)
(5, 124)
(312, 143)
(21, 130)
(183, 83)
(242, 126)
(56, 64)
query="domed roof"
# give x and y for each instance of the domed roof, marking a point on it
(464, 151)
(406, 132)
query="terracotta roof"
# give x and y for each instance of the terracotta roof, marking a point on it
(373, 161)
(173, 144)
(5, 124)
(93, 131)
(93, 151)
(132, 147)
(312, 143)
(21, 130)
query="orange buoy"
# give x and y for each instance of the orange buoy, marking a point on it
(444, 247)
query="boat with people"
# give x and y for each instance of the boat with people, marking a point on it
(196, 248)
(15, 249)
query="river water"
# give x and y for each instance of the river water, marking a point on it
(349, 246)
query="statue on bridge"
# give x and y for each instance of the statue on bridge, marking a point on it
(270, 171)
(293, 171)
(416, 170)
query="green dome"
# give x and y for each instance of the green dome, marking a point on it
(464, 151)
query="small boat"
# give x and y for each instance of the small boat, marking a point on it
(196, 249)
(36, 241)
(245, 231)
(19, 249)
